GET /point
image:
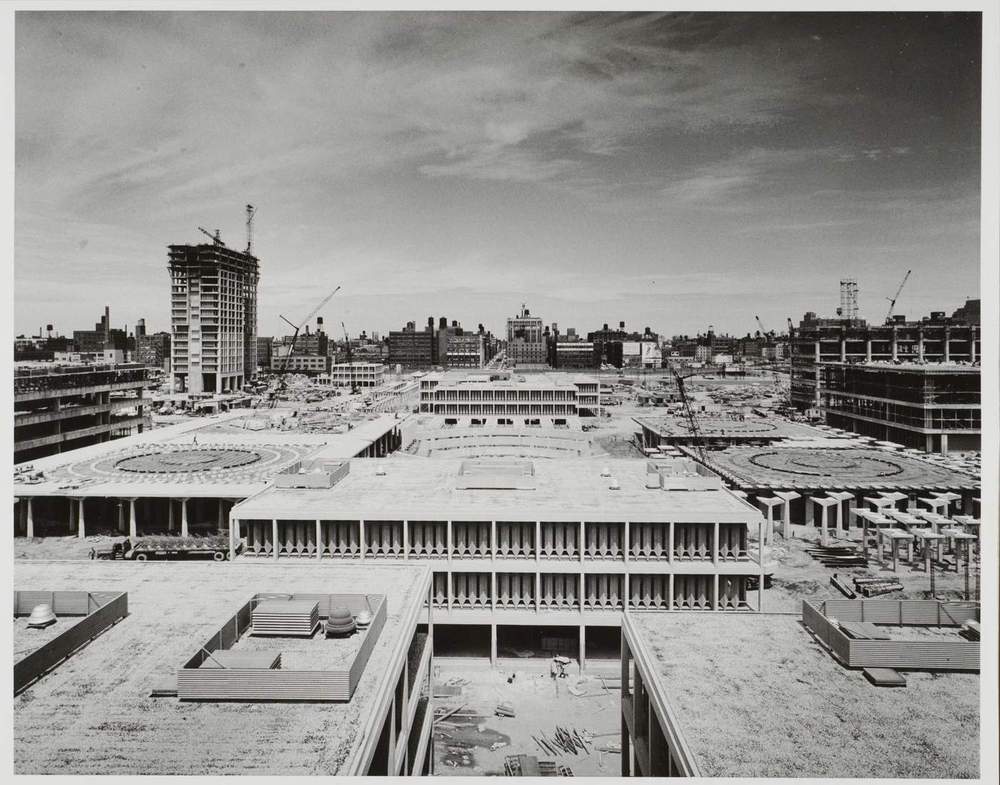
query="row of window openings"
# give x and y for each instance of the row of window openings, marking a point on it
(600, 592)
(471, 540)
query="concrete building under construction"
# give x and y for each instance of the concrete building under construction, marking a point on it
(213, 306)
(933, 407)
(936, 338)
(60, 407)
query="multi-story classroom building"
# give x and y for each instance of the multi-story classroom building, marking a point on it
(543, 554)
(504, 395)
(62, 407)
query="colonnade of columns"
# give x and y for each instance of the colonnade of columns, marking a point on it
(127, 516)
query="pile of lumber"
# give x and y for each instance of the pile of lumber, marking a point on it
(564, 740)
(838, 556)
(530, 766)
(286, 617)
(876, 587)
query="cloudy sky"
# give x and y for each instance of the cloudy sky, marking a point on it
(674, 170)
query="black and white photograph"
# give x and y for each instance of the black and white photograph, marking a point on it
(456, 391)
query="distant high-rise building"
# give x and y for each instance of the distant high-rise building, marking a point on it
(525, 339)
(214, 317)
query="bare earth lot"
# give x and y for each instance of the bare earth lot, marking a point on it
(797, 576)
(463, 742)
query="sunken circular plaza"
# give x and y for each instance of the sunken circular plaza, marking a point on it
(827, 463)
(190, 460)
(778, 466)
(176, 463)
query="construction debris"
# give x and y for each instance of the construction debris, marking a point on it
(504, 710)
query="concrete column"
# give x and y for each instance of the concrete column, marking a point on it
(406, 540)
(132, 528)
(947, 345)
(583, 648)
(221, 519)
(170, 514)
(944, 444)
(972, 344)
(868, 350)
(319, 539)
(715, 543)
(843, 350)
(184, 521)
(895, 346)
(760, 577)
(29, 520)
(929, 443)
(361, 543)
(274, 538)
(816, 353)
(234, 537)
(493, 644)
(715, 584)
(81, 519)
(581, 546)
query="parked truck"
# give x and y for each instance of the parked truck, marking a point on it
(167, 547)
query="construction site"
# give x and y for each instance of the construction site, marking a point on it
(537, 542)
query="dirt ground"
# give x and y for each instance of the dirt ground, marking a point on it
(797, 576)
(474, 742)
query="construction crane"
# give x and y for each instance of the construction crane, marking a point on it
(216, 238)
(275, 391)
(251, 212)
(763, 329)
(689, 413)
(350, 364)
(892, 300)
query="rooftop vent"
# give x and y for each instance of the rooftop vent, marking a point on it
(312, 474)
(496, 475)
(380, 470)
(605, 472)
(614, 485)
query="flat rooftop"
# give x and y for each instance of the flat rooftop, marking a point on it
(565, 490)
(931, 367)
(234, 454)
(757, 696)
(510, 379)
(93, 714)
(716, 427)
(789, 466)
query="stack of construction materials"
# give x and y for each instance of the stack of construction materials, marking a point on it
(286, 617)
(876, 587)
(838, 556)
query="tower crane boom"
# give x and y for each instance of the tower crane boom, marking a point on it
(892, 300)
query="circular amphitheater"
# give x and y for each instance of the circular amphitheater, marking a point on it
(186, 464)
(788, 467)
(491, 444)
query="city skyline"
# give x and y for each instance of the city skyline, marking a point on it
(673, 170)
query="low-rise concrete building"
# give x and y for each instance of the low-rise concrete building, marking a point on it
(728, 695)
(547, 548)
(355, 374)
(503, 394)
